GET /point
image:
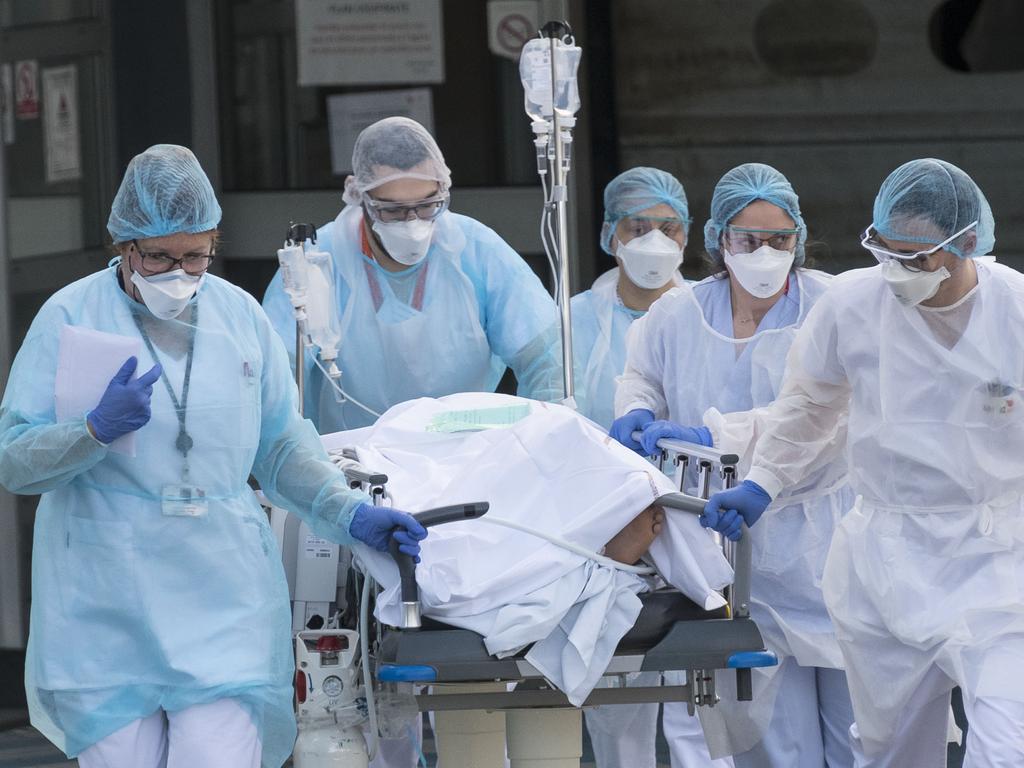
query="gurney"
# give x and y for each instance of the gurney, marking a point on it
(482, 701)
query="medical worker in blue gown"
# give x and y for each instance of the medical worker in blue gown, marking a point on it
(646, 222)
(699, 355)
(431, 302)
(160, 632)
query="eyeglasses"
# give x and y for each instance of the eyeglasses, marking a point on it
(638, 226)
(157, 262)
(747, 239)
(426, 210)
(915, 261)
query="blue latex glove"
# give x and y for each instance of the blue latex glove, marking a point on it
(656, 430)
(624, 427)
(124, 406)
(375, 525)
(726, 511)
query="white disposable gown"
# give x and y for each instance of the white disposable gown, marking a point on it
(684, 364)
(927, 570)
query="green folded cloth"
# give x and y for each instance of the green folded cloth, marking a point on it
(479, 419)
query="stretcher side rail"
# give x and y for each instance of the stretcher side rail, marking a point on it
(679, 454)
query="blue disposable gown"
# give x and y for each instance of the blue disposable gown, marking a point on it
(600, 322)
(134, 610)
(482, 309)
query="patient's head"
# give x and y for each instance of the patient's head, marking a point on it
(630, 544)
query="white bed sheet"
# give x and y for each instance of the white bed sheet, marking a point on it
(555, 470)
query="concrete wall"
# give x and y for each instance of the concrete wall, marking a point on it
(834, 93)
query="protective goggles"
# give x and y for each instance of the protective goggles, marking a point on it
(425, 210)
(747, 239)
(638, 226)
(883, 253)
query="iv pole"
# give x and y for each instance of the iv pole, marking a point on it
(547, 67)
(559, 200)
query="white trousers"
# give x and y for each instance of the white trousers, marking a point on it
(216, 735)
(686, 744)
(624, 734)
(810, 723)
(995, 737)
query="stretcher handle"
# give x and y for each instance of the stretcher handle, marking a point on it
(451, 514)
(356, 474)
(358, 477)
(407, 565)
(693, 450)
(682, 501)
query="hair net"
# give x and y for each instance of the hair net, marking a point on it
(164, 191)
(636, 190)
(394, 148)
(927, 201)
(739, 188)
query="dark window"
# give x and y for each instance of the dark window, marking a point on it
(979, 35)
(275, 133)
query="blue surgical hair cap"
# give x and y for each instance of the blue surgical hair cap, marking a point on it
(928, 201)
(164, 191)
(636, 190)
(739, 188)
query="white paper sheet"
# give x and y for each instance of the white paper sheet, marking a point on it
(86, 362)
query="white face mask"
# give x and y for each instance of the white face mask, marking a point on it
(407, 242)
(166, 295)
(911, 288)
(761, 273)
(650, 260)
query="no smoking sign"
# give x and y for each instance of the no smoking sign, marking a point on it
(510, 25)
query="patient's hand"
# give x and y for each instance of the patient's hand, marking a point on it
(630, 544)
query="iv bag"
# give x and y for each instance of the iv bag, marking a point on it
(535, 73)
(293, 273)
(323, 324)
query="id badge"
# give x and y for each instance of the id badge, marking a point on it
(184, 501)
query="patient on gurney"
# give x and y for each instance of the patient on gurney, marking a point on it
(633, 541)
(540, 466)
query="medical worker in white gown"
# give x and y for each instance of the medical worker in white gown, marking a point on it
(718, 347)
(923, 356)
(646, 221)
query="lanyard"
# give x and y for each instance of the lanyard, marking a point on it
(184, 442)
